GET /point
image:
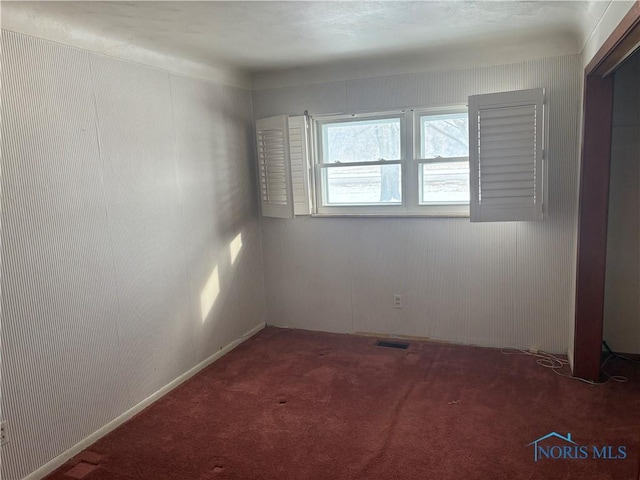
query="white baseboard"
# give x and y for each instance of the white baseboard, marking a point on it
(58, 461)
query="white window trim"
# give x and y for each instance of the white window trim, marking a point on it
(410, 206)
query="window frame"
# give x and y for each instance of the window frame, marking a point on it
(453, 208)
(409, 164)
(319, 194)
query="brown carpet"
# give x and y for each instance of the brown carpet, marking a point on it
(302, 405)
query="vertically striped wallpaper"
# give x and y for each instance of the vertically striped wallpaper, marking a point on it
(131, 241)
(495, 284)
(130, 238)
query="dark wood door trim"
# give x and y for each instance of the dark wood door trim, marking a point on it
(592, 226)
(619, 44)
(594, 194)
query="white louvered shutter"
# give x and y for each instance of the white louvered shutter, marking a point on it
(506, 156)
(299, 149)
(274, 169)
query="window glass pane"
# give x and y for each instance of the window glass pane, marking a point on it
(445, 182)
(444, 135)
(361, 141)
(377, 184)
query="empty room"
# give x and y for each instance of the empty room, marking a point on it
(308, 240)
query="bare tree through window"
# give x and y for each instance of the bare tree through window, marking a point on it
(363, 141)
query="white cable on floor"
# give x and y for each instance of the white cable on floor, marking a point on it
(548, 360)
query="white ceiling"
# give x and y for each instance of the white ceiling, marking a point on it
(265, 36)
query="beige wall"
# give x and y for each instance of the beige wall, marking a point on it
(494, 284)
(622, 287)
(130, 238)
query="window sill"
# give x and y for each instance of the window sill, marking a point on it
(437, 211)
(391, 215)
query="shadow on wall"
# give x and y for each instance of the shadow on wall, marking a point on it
(130, 240)
(235, 199)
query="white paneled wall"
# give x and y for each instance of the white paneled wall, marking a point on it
(622, 284)
(130, 238)
(497, 284)
(139, 171)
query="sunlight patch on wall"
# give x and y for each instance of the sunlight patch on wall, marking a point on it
(209, 294)
(235, 246)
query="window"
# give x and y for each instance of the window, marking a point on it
(486, 162)
(359, 161)
(443, 161)
(400, 163)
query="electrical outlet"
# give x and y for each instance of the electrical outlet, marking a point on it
(4, 438)
(397, 301)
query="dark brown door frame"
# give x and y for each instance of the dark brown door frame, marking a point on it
(594, 193)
